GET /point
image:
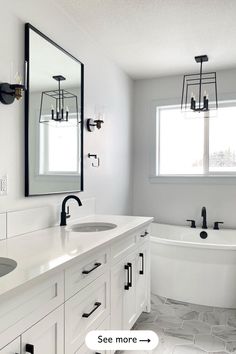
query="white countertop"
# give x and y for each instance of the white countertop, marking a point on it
(43, 251)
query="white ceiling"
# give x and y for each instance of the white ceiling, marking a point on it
(43, 66)
(150, 38)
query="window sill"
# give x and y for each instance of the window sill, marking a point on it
(193, 179)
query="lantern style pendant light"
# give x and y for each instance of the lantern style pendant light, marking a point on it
(196, 88)
(55, 104)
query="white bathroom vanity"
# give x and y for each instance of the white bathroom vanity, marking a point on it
(67, 283)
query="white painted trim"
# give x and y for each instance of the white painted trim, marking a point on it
(207, 178)
(193, 179)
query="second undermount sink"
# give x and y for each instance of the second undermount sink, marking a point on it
(93, 227)
(7, 265)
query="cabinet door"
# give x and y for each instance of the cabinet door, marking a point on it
(47, 336)
(123, 298)
(130, 307)
(118, 282)
(12, 348)
(142, 278)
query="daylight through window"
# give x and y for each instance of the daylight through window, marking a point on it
(196, 146)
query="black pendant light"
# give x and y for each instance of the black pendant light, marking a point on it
(56, 104)
(196, 88)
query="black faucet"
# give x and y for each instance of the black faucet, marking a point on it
(64, 214)
(204, 215)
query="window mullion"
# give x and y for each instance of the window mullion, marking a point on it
(206, 146)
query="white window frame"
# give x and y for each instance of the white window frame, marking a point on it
(43, 135)
(206, 178)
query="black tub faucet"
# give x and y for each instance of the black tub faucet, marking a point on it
(65, 215)
(204, 215)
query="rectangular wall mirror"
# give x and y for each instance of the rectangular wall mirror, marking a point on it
(53, 117)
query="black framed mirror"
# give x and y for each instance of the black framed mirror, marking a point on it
(54, 107)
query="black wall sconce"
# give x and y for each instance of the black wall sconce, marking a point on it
(10, 92)
(94, 123)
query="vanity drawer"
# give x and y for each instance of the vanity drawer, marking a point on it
(143, 234)
(85, 311)
(19, 312)
(85, 350)
(123, 247)
(80, 275)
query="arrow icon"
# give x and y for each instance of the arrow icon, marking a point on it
(145, 340)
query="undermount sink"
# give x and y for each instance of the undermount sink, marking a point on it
(7, 265)
(93, 227)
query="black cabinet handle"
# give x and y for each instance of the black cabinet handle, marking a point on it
(96, 265)
(96, 306)
(131, 275)
(29, 348)
(127, 270)
(142, 257)
(145, 234)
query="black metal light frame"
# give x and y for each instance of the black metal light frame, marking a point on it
(192, 80)
(60, 114)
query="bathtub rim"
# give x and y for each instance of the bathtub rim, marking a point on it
(180, 243)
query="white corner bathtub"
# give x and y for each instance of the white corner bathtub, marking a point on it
(187, 268)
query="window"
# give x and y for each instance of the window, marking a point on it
(196, 146)
(59, 149)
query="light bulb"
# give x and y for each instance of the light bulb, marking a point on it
(18, 79)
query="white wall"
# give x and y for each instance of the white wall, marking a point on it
(105, 84)
(174, 203)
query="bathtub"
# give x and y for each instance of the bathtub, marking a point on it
(187, 268)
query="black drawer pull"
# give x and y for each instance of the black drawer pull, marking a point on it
(96, 265)
(142, 257)
(127, 284)
(96, 306)
(131, 275)
(145, 234)
(29, 348)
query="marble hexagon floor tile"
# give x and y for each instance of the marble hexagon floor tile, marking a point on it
(187, 313)
(167, 322)
(168, 343)
(188, 349)
(177, 304)
(148, 317)
(185, 328)
(209, 343)
(214, 318)
(197, 327)
(231, 318)
(218, 352)
(227, 334)
(157, 300)
(164, 309)
(231, 347)
(182, 333)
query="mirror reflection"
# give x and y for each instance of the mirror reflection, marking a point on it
(54, 118)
